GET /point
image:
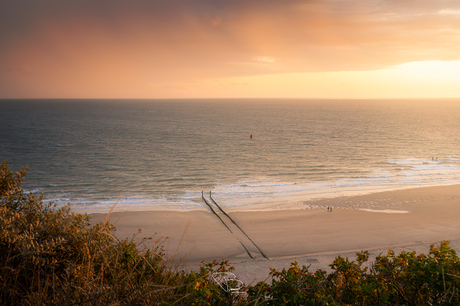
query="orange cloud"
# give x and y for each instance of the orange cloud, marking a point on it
(118, 48)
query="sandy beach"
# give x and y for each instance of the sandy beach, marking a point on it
(408, 220)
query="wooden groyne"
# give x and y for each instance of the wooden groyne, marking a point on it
(262, 253)
(237, 231)
(214, 212)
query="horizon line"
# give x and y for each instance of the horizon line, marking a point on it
(241, 98)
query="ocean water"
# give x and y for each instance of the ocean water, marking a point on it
(161, 154)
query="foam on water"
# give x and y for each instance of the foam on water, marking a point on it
(268, 195)
(264, 193)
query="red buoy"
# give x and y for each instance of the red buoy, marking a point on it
(250, 137)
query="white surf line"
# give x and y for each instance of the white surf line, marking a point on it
(385, 211)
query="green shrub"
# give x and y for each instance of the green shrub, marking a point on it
(49, 255)
(413, 279)
(406, 279)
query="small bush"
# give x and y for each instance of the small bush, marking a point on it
(49, 255)
(406, 279)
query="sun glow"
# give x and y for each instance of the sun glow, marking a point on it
(417, 79)
(445, 70)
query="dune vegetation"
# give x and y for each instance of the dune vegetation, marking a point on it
(50, 255)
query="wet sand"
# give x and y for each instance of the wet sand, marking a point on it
(408, 220)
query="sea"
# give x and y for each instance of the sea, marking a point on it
(252, 154)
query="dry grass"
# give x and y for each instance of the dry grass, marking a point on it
(49, 255)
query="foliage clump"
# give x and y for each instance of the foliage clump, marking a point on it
(404, 279)
(49, 255)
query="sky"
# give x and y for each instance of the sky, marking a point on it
(158, 49)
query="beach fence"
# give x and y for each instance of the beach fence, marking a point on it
(246, 242)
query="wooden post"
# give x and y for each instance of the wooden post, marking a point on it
(220, 208)
(210, 207)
